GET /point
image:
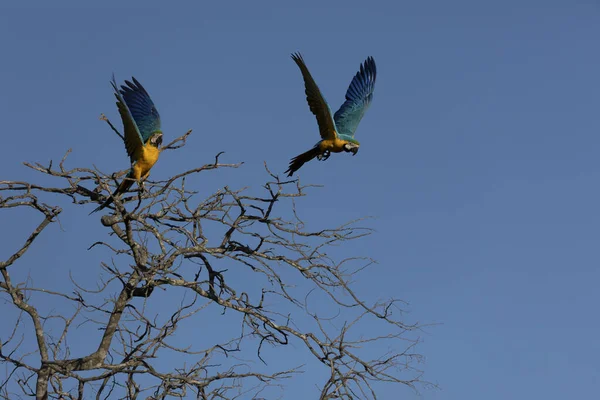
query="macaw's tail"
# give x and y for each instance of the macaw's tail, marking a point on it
(123, 187)
(299, 161)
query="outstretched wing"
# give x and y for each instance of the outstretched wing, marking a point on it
(142, 109)
(317, 104)
(358, 98)
(134, 142)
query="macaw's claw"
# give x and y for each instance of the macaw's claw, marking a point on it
(324, 156)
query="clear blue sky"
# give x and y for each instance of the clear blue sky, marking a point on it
(479, 154)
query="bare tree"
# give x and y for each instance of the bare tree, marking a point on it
(241, 266)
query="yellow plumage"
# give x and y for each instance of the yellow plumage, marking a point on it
(147, 158)
(335, 145)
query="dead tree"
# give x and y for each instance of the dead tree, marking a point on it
(236, 256)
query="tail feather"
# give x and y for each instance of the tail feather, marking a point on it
(123, 187)
(299, 160)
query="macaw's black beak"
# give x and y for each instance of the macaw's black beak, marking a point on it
(354, 151)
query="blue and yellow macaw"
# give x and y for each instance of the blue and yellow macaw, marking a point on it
(143, 136)
(337, 133)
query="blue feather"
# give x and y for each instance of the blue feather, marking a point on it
(358, 99)
(142, 108)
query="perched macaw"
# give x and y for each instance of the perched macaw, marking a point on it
(143, 136)
(337, 132)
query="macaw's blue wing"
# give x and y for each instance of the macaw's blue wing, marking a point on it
(142, 109)
(134, 143)
(358, 98)
(317, 104)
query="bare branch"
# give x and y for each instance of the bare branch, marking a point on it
(179, 266)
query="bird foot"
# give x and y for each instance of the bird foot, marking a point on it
(324, 156)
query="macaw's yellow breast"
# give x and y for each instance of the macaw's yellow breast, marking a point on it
(334, 145)
(144, 164)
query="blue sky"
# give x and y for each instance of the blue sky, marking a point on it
(478, 155)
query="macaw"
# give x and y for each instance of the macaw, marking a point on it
(337, 133)
(143, 136)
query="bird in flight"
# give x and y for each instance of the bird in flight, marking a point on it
(337, 131)
(143, 136)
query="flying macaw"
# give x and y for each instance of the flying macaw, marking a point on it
(337, 132)
(143, 136)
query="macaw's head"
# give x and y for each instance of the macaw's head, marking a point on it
(156, 139)
(352, 146)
